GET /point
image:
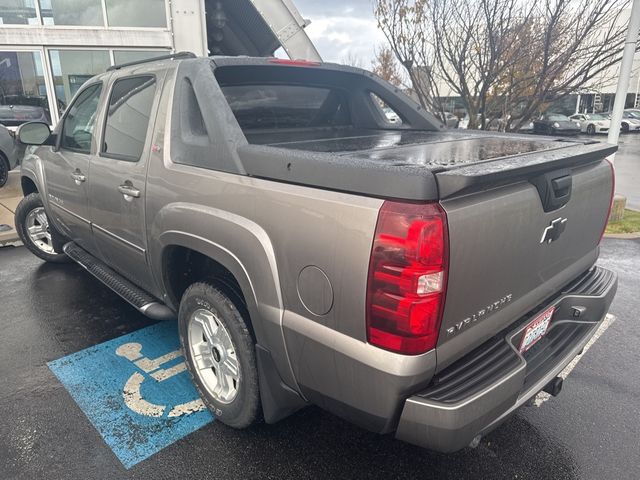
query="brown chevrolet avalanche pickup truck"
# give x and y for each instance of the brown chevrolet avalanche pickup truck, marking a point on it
(412, 279)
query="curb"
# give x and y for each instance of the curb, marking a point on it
(623, 236)
(11, 243)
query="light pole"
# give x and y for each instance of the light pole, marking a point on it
(625, 73)
(619, 201)
(635, 103)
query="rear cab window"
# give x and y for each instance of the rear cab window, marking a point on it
(287, 106)
(264, 97)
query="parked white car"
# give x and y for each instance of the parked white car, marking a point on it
(391, 116)
(630, 122)
(592, 123)
(11, 153)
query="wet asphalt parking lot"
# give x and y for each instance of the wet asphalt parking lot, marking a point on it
(48, 311)
(591, 431)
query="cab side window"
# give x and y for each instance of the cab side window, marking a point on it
(128, 116)
(79, 122)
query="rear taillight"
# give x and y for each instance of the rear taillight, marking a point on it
(407, 277)
(613, 192)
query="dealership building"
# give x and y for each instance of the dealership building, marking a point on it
(49, 48)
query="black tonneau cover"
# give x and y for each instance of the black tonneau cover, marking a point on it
(408, 164)
(441, 148)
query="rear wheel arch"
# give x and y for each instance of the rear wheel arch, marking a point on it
(234, 242)
(183, 266)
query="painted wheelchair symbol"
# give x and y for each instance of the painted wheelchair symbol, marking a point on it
(131, 392)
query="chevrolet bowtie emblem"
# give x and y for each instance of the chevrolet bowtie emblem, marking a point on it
(554, 230)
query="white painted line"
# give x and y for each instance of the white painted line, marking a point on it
(134, 400)
(187, 408)
(163, 374)
(544, 396)
(149, 365)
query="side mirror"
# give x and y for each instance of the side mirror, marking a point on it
(33, 133)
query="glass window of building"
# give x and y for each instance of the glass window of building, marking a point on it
(18, 12)
(72, 68)
(126, 56)
(141, 13)
(77, 131)
(23, 95)
(72, 12)
(128, 117)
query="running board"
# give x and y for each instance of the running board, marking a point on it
(137, 297)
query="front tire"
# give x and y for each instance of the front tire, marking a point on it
(220, 354)
(36, 232)
(591, 130)
(625, 128)
(4, 170)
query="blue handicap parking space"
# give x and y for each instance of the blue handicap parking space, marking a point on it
(135, 390)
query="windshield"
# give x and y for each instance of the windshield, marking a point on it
(632, 115)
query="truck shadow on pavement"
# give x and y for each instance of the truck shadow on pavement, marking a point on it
(316, 444)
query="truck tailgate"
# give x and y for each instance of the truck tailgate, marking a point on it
(520, 229)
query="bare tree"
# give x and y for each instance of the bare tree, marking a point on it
(386, 67)
(506, 58)
(352, 60)
(405, 25)
(566, 47)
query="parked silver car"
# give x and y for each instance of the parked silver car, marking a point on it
(630, 122)
(10, 153)
(452, 120)
(592, 123)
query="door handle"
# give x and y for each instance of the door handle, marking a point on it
(129, 190)
(78, 177)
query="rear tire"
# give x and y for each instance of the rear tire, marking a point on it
(220, 354)
(4, 170)
(36, 232)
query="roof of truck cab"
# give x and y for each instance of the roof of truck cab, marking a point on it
(223, 61)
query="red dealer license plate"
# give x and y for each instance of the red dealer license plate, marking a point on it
(536, 329)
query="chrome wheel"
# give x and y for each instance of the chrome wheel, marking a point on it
(37, 226)
(214, 355)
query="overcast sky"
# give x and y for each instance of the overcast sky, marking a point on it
(342, 28)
